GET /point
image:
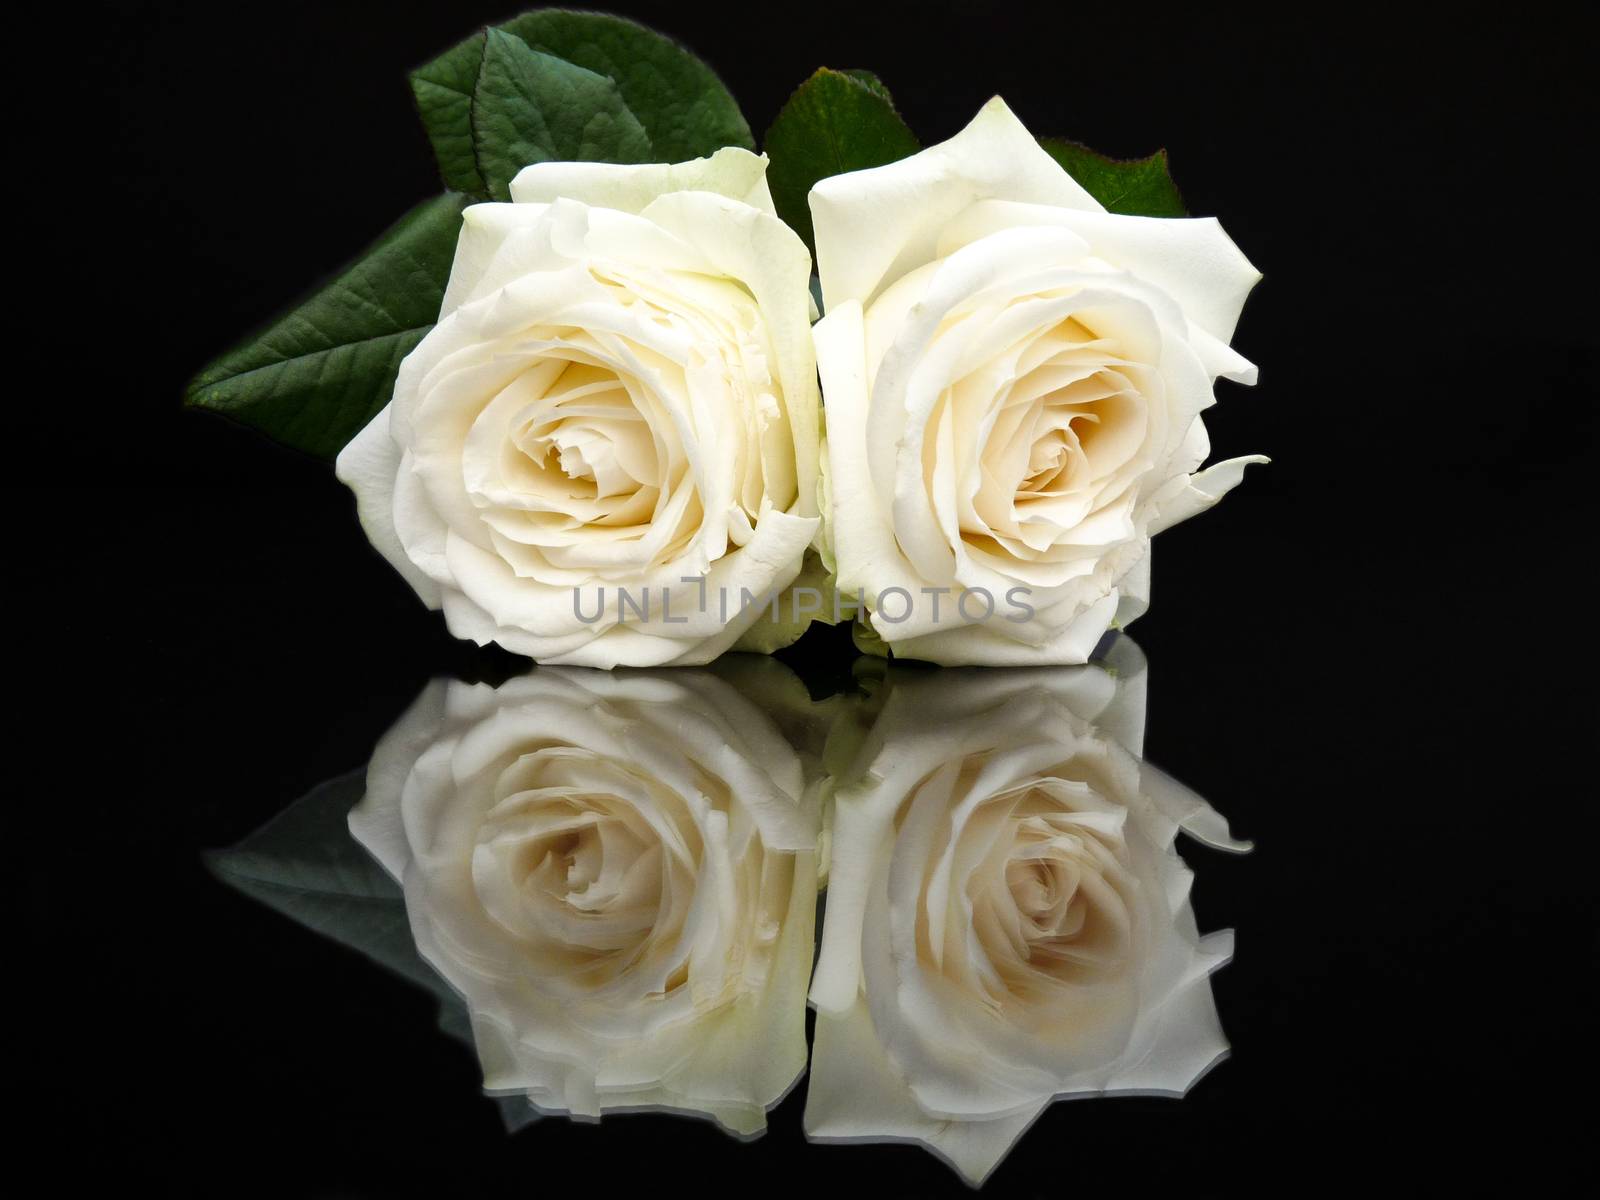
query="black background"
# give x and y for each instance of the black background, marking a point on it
(1375, 657)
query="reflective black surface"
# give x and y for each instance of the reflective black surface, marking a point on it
(609, 881)
(1376, 658)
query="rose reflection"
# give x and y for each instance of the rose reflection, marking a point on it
(617, 874)
(1007, 920)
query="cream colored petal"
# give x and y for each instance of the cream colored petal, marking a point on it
(369, 466)
(549, 623)
(874, 226)
(1190, 258)
(753, 1052)
(855, 1095)
(485, 229)
(1188, 811)
(1203, 490)
(731, 171)
(989, 645)
(766, 256)
(377, 822)
(860, 844)
(1176, 1045)
(865, 552)
(1133, 592)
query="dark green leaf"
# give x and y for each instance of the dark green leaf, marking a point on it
(1137, 187)
(872, 82)
(837, 121)
(683, 108)
(305, 864)
(443, 89)
(530, 107)
(318, 374)
(682, 105)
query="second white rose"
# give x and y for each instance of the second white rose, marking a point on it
(1014, 380)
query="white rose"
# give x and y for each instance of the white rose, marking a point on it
(1013, 379)
(620, 395)
(1006, 921)
(617, 873)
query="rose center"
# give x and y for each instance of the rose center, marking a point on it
(584, 870)
(587, 428)
(1065, 884)
(1046, 895)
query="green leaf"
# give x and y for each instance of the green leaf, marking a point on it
(1137, 187)
(530, 107)
(306, 864)
(319, 373)
(443, 90)
(871, 81)
(836, 121)
(682, 107)
(681, 103)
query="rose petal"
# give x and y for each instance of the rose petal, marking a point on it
(874, 225)
(731, 171)
(370, 466)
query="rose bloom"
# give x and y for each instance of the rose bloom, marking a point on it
(1014, 380)
(617, 873)
(620, 395)
(1006, 921)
